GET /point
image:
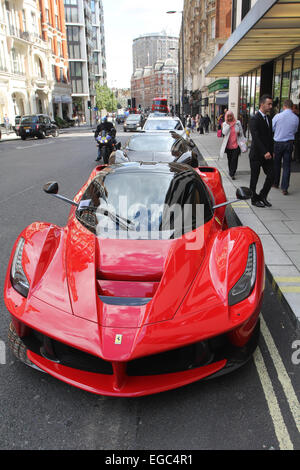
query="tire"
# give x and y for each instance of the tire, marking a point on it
(103, 154)
(56, 133)
(17, 346)
(42, 135)
(23, 137)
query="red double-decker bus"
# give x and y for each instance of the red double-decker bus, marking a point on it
(160, 105)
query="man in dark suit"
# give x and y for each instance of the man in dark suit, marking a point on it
(261, 151)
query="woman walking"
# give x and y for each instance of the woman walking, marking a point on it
(233, 138)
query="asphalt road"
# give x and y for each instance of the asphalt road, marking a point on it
(255, 408)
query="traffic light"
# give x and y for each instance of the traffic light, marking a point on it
(89, 104)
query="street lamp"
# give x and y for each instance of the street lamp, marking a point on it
(171, 12)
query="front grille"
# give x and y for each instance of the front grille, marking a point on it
(176, 360)
(65, 355)
(180, 359)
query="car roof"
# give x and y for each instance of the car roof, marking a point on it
(151, 167)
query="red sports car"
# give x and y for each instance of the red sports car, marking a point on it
(144, 290)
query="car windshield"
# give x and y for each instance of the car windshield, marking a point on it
(29, 119)
(134, 117)
(150, 143)
(162, 125)
(144, 204)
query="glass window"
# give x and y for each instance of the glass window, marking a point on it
(295, 82)
(286, 78)
(277, 86)
(161, 125)
(257, 90)
(150, 197)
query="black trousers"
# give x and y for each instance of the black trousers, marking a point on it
(232, 157)
(268, 168)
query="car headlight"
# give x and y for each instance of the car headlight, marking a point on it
(18, 278)
(243, 288)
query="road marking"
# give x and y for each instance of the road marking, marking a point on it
(282, 373)
(287, 279)
(17, 194)
(33, 145)
(276, 416)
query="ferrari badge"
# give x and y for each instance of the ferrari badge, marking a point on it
(118, 339)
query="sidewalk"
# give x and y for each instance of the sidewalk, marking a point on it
(82, 128)
(278, 227)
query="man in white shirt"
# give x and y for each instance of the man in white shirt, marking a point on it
(285, 126)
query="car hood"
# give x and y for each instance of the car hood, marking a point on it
(129, 283)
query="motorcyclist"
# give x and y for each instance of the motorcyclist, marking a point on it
(108, 128)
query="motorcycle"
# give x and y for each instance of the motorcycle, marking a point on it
(106, 144)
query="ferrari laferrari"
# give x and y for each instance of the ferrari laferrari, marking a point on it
(144, 290)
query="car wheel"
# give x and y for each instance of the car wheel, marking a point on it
(23, 137)
(17, 346)
(56, 133)
(42, 135)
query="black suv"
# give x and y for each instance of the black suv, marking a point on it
(37, 125)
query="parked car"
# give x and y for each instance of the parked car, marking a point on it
(162, 147)
(37, 125)
(142, 296)
(133, 123)
(164, 124)
(16, 127)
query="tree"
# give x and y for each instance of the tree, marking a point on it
(105, 98)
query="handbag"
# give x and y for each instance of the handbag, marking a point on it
(243, 145)
(219, 133)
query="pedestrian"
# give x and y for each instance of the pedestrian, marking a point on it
(233, 136)
(6, 123)
(297, 136)
(207, 122)
(261, 151)
(285, 126)
(197, 122)
(193, 123)
(201, 124)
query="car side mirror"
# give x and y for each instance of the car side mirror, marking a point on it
(51, 187)
(244, 193)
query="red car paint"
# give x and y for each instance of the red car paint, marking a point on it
(69, 269)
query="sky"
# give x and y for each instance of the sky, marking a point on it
(125, 20)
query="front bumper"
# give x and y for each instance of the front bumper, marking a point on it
(142, 376)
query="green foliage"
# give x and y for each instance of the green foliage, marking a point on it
(105, 98)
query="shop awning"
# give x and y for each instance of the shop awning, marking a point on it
(222, 98)
(270, 29)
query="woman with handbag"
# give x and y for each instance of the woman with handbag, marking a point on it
(233, 142)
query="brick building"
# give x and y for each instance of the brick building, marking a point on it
(207, 25)
(54, 33)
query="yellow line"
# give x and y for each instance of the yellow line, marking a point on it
(287, 279)
(290, 289)
(280, 428)
(282, 373)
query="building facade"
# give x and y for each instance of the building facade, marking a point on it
(262, 55)
(86, 50)
(149, 48)
(54, 33)
(159, 81)
(207, 25)
(27, 56)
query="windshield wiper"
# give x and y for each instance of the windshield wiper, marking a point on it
(124, 223)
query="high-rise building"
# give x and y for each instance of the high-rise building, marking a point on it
(149, 48)
(86, 50)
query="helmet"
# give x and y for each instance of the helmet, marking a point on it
(104, 119)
